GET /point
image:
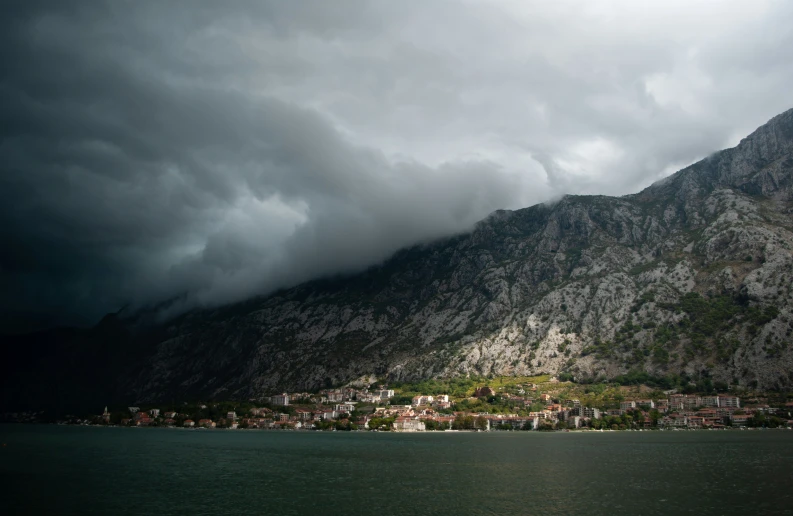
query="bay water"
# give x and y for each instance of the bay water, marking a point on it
(95, 470)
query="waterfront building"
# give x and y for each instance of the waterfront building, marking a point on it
(408, 424)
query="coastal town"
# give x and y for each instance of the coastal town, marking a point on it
(545, 406)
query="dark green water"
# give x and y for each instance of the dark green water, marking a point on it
(78, 470)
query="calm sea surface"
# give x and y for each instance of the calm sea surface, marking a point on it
(80, 470)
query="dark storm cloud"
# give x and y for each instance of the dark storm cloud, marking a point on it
(215, 151)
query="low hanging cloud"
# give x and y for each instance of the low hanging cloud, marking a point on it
(214, 152)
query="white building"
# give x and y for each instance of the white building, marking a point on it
(280, 399)
(675, 421)
(408, 424)
(386, 394)
(335, 396)
(729, 401)
(345, 408)
(422, 400)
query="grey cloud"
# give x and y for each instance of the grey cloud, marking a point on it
(215, 152)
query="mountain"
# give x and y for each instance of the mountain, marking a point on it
(692, 275)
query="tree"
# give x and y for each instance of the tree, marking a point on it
(655, 416)
(462, 422)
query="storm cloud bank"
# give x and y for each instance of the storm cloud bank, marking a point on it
(213, 151)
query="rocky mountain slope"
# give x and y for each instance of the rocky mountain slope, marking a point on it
(691, 275)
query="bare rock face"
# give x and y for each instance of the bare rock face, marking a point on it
(691, 275)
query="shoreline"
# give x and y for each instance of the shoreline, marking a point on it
(312, 431)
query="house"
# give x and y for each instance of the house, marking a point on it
(740, 420)
(408, 424)
(344, 408)
(169, 415)
(142, 419)
(280, 399)
(674, 421)
(385, 394)
(684, 402)
(207, 423)
(513, 421)
(591, 413)
(169, 422)
(645, 403)
(335, 396)
(725, 411)
(155, 412)
(708, 415)
(545, 398)
(303, 414)
(729, 401)
(421, 400)
(189, 423)
(713, 422)
(627, 405)
(132, 410)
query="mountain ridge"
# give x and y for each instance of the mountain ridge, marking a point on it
(593, 286)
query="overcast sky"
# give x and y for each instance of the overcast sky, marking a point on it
(217, 150)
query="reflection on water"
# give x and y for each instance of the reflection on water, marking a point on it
(67, 470)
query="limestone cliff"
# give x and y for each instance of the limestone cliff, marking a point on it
(692, 274)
